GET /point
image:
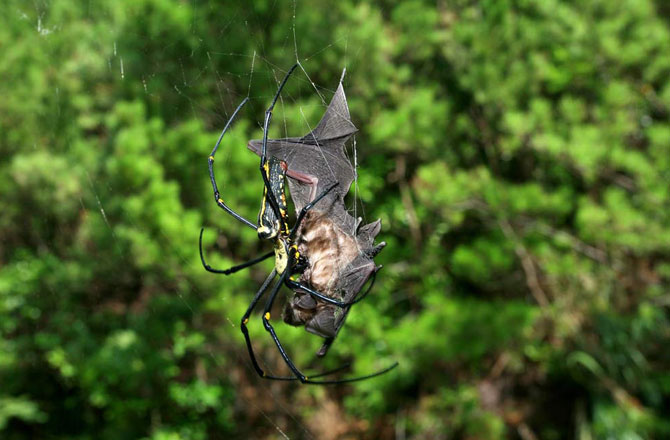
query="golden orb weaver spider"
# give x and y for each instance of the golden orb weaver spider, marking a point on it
(273, 225)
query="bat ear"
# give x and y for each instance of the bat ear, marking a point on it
(306, 302)
(372, 252)
(366, 234)
(371, 228)
(300, 309)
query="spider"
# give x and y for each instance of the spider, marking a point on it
(273, 225)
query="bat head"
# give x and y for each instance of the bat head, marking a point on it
(317, 317)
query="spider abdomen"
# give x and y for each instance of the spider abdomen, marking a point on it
(269, 224)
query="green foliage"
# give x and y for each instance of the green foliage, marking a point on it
(518, 154)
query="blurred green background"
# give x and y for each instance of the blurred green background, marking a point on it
(517, 152)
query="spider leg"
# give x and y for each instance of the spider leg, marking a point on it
(266, 124)
(245, 331)
(297, 285)
(352, 379)
(300, 376)
(210, 164)
(233, 269)
(268, 327)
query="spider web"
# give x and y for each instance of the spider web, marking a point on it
(258, 66)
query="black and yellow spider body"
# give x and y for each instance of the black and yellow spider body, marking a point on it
(269, 224)
(272, 225)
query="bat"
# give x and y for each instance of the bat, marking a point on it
(339, 251)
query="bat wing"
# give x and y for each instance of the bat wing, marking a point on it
(320, 154)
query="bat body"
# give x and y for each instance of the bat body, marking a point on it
(338, 250)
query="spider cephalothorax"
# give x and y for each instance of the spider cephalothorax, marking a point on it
(328, 308)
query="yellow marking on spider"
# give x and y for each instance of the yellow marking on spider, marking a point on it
(246, 320)
(267, 316)
(263, 203)
(220, 200)
(281, 259)
(211, 158)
